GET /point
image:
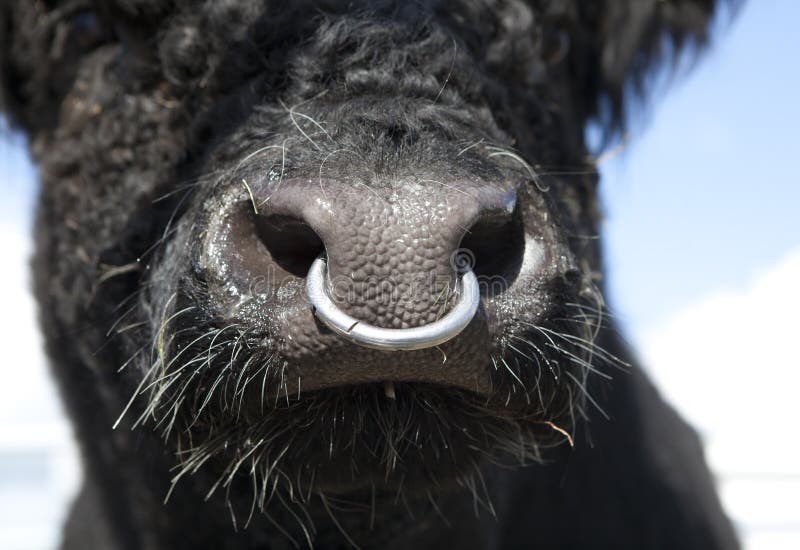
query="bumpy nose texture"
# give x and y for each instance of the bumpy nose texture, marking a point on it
(390, 247)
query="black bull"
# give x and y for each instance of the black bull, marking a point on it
(198, 158)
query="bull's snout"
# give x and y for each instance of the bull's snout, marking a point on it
(388, 266)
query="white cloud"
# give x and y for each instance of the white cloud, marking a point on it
(26, 394)
(730, 363)
(40, 472)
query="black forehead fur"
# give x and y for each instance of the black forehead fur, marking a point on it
(614, 45)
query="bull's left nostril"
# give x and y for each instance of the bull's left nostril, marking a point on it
(292, 244)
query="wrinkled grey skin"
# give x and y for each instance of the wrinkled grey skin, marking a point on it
(195, 157)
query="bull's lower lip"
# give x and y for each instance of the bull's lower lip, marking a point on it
(376, 375)
(391, 389)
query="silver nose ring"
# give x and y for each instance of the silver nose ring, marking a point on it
(388, 339)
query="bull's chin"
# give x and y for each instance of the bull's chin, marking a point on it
(387, 458)
(385, 431)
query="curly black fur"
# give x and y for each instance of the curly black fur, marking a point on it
(144, 116)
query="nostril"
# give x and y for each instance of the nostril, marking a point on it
(290, 241)
(496, 244)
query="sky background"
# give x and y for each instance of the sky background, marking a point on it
(703, 253)
(702, 238)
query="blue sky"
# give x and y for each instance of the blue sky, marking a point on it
(702, 238)
(706, 194)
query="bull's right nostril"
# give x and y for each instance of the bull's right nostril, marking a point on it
(495, 244)
(292, 244)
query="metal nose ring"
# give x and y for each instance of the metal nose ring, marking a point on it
(389, 339)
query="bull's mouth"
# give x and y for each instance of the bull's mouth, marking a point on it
(460, 363)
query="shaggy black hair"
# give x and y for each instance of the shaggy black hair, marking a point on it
(144, 116)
